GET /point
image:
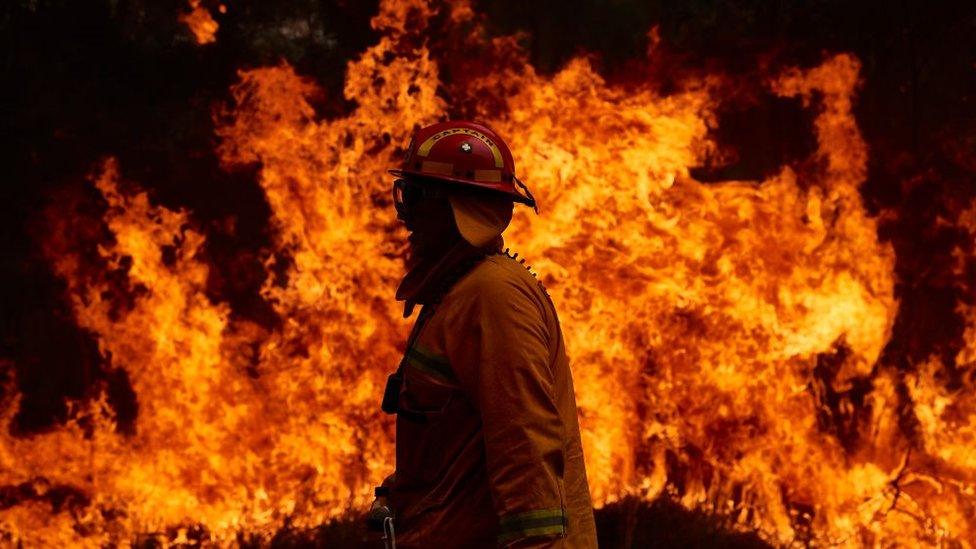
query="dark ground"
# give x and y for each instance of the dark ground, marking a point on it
(82, 80)
(627, 524)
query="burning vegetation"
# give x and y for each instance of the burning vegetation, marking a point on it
(777, 332)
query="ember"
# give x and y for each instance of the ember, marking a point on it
(741, 346)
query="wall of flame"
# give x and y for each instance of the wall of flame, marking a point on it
(716, 330)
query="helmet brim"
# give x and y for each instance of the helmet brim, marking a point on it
(515, 195)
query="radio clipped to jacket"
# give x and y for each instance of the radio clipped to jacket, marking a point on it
(391, 395)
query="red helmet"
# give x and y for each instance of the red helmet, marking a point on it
(466, 153)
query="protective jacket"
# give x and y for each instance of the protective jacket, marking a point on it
(488, 446)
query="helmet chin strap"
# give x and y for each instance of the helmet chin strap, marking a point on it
(534, 204)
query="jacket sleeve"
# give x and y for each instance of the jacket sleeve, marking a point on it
(500, 352)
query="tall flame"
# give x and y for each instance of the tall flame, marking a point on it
(725, 338)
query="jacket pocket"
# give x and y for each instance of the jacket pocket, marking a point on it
(424, 396)
(423, 426)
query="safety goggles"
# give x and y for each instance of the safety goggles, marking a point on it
(406, 195)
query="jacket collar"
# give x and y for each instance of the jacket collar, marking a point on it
(429, 279)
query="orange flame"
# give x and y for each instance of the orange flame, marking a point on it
(201, 23)
(717, 331)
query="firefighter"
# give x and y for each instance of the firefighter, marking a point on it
(488, 449)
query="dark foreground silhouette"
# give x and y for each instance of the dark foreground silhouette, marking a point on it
(629, 523)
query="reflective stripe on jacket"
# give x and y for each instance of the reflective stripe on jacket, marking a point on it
(488, 447)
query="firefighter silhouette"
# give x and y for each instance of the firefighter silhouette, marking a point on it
(488, 448)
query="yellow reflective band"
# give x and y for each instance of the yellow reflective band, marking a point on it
(529, 532)
(488, 175)
(430, 363)
(440, 168)
(424, 148)
(541, 522)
